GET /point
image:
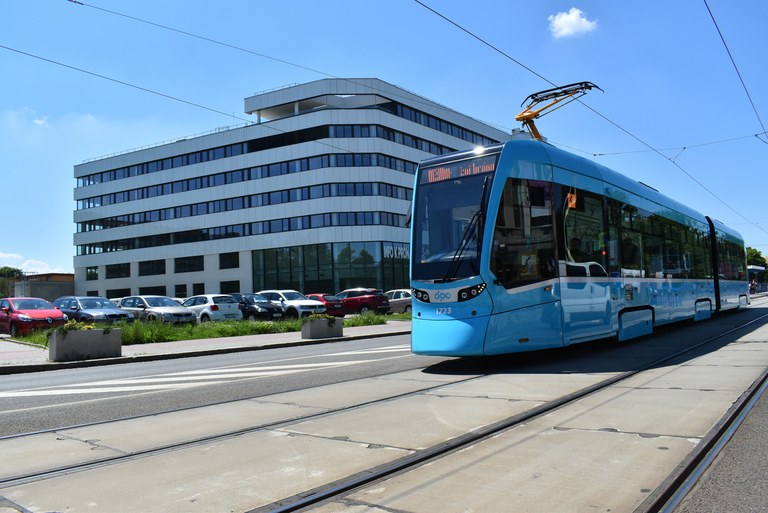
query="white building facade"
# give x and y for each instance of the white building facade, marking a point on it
(313, 196)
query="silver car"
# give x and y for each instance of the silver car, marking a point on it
(158, 309)
(399, 300)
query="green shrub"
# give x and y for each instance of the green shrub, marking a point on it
(139, 332)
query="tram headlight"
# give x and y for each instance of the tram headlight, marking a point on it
(471, 292)
(421, 295)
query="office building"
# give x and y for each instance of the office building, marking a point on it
(314, 195)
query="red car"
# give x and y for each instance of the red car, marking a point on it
(20, 315)
(333, 305)
(363, 300)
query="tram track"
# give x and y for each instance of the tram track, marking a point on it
(198, 441)
(672, 491)
(357, 480)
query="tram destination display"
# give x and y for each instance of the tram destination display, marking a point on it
(459, 169)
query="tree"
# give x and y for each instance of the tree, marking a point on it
(7, 276)
(10, 272)
(754, 257)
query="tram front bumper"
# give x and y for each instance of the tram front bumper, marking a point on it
(449, 337)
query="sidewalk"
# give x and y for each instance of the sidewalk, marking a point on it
(16, 357)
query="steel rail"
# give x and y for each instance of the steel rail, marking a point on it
(676, 488)
(343, 486)
(111, 460)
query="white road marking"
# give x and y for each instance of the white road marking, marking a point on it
(188, 379)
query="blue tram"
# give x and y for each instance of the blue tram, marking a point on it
(521, 246)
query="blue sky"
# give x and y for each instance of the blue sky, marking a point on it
(669, 85)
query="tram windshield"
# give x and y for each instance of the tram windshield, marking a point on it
(448, 219)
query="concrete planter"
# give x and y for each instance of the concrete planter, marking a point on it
(75, 345)
(322, 328)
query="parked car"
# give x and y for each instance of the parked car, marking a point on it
(92, 309)
(295, 304)
(332, 304)
(20, 315)
(158, 309)
(399, 300)
(257, 307)
(361, 300)
(213, 307)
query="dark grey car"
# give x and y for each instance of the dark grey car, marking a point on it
(92, 309)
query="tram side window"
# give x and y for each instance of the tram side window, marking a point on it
(699, 248)
(731, 259)
(653, 252)
(583, 229)
(677, 261)
(632, 221)
(523, 249)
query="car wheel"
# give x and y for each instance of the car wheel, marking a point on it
(291, 314)
(250, 317)
(365, 309)
(13, 331)
(407, 309)
(204, 318)
(151, 318)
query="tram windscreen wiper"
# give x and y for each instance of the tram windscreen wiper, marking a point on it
(473, 231)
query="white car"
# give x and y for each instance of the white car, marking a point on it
(295, 304)
(213, 307)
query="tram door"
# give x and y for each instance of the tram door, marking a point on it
(585, 286)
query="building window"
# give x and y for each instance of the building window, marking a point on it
(92, 273)
(229, 261)
(119, 271)
(228, 287)
(188, 265)
(181, 290)
(118, 293)
(152, 291)
(198, 288)
(151, 267)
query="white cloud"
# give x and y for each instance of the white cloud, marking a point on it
(29, 265)
(9, 257)
(571, 23)
(40, 267)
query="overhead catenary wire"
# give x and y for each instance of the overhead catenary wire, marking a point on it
(330, 75)
(736, 68)
(253, 52)
(615, 124)
(158, 93)
(470, 33)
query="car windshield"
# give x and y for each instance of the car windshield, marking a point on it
(96, 303)
(293, 296)
(223, 299)
(33, 304)
(330, 298)
(256, 298)
(160, 301)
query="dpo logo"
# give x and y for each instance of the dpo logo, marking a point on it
(442, 296)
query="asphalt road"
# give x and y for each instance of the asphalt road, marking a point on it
(47, 400)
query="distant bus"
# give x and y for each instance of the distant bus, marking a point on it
(521, 246)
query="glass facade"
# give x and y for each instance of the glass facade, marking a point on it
(332, 267)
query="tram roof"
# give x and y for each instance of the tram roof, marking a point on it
(611, 183)
(614, 184)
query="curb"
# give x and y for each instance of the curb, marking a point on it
(49, 366)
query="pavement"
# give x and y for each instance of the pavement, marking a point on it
(19, 357)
